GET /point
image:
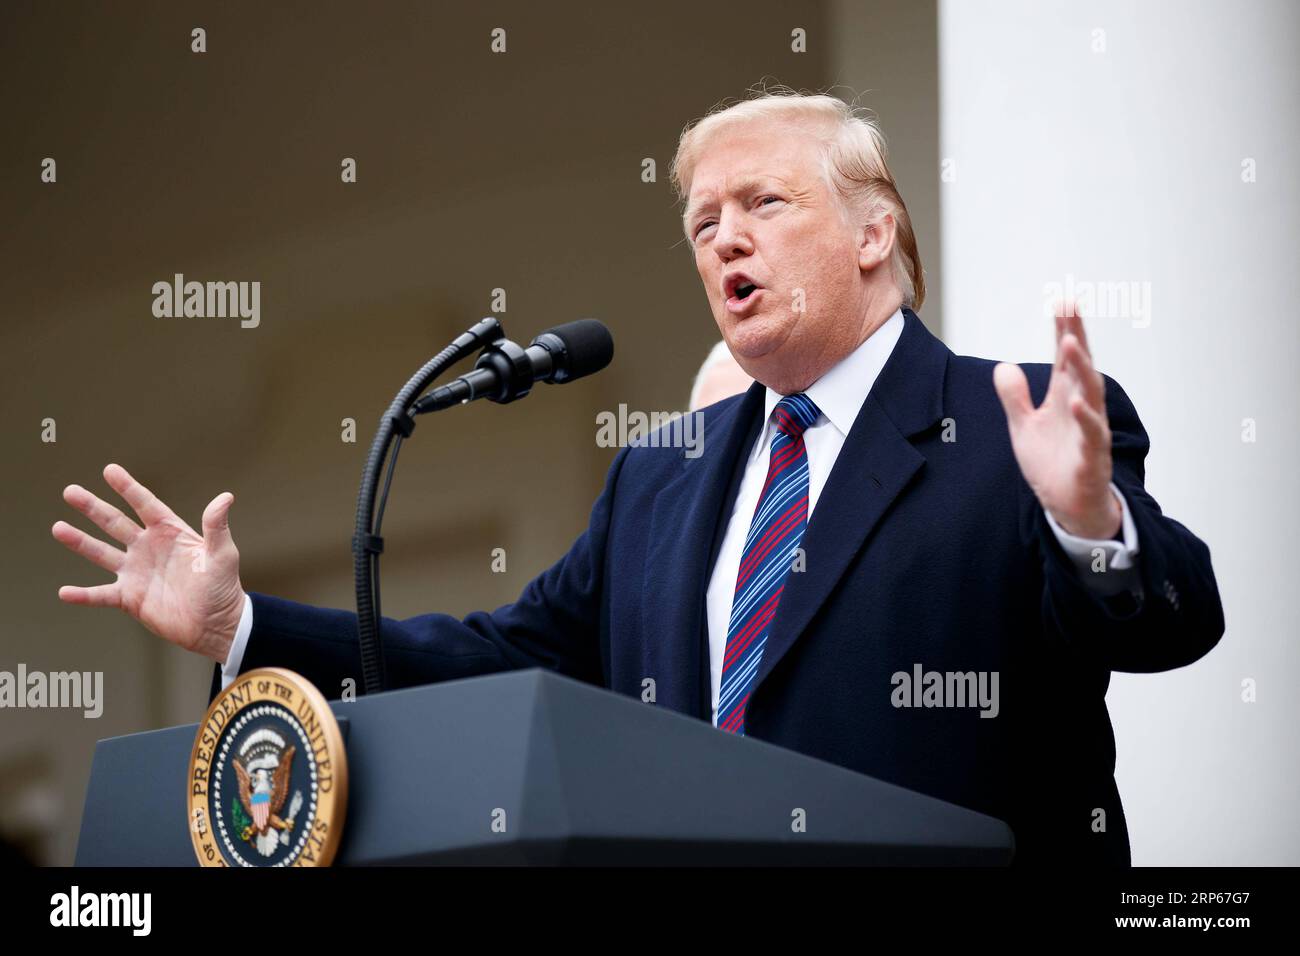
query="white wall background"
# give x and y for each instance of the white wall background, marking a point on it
(1117, 156)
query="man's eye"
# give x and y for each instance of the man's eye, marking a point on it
(702, 226)
(762, 200)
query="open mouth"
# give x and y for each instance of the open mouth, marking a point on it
(741, 291)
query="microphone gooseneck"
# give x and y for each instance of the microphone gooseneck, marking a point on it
(503, 373)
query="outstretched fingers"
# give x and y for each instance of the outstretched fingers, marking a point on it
(1096, 431)
(1013, 390)
(1074, 324)
(1069, 321)
(150, 509)
(102, 595)
(108, 518)
(77, 541)
(1077, 361)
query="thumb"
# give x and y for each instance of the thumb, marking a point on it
(216, 520)
(1013, 390)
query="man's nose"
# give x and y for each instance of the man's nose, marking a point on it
(732, 239)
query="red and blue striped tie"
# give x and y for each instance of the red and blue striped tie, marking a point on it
(774, 535)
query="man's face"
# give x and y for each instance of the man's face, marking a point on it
(760, 213)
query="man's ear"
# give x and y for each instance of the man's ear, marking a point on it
(877, 243)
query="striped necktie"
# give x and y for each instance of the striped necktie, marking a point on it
(774, 535)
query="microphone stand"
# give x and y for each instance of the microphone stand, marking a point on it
(367, 544)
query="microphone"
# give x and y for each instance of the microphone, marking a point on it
(506, 372)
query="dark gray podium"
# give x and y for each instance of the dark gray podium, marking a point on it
(580, 775)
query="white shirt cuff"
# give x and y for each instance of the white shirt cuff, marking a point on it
(1106, 567)
(230, 670)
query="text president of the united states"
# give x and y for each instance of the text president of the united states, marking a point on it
(872, 517)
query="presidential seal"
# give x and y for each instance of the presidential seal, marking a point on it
(268, 775)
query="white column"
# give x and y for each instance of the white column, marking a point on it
(1146, 155)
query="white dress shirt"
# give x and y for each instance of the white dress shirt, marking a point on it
(839, 394)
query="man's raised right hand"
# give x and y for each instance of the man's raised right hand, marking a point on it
(181, 585)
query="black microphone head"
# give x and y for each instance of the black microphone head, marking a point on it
(577, 348)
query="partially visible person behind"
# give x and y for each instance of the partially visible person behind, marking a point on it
(718, 378)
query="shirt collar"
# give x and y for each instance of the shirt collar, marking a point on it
(841, 391)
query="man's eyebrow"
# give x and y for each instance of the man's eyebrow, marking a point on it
(738, 187)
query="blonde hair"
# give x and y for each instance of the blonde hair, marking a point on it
(854, 164)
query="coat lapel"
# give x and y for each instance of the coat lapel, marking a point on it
(874, 467)
(688, 515)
